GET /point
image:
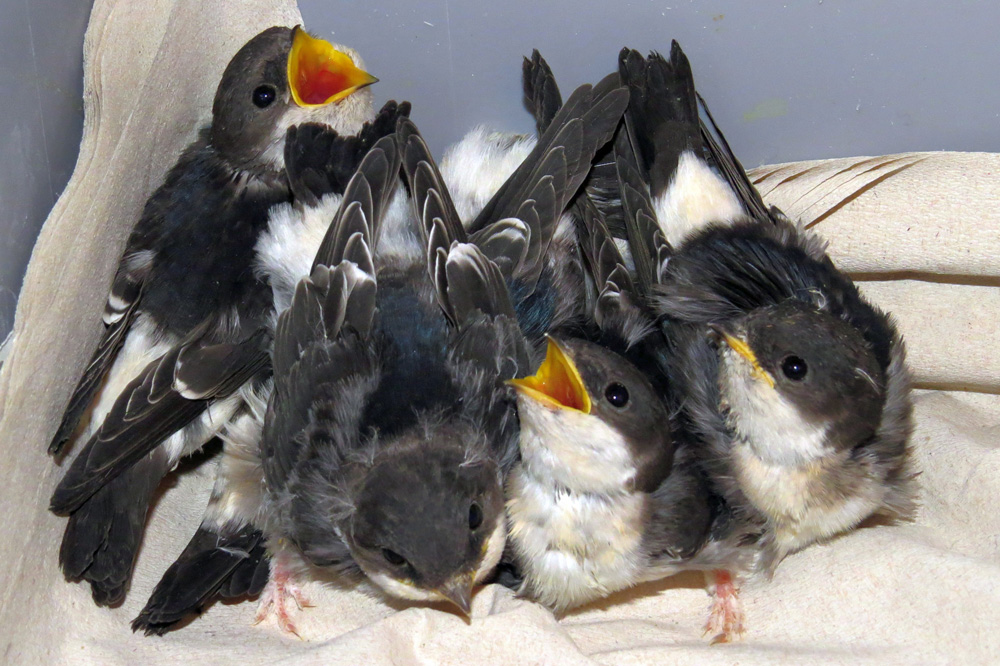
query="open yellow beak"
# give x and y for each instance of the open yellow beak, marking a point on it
(557, 383)
(319, 74)
(743, 349)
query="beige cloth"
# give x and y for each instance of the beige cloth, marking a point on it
(921, 229)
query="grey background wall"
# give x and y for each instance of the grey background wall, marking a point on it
(41, 120)
(786, 80)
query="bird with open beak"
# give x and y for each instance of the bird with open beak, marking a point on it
(602, 498)
(792, 387)
(186, 320)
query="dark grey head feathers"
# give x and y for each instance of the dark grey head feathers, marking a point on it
(623, 398)
(255, 105)
(417, 492)
(252, 97)
(818, 363)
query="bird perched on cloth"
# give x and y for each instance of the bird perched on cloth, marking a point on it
(389, 427)
(186, 317)
(600, 499)
(226, 557)
(793, 387)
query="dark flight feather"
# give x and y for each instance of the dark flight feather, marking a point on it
(212, 565)
(155, 405)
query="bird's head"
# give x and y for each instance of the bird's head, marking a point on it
(798, 383)
(280, 78)
(595, 419)
(428, 521)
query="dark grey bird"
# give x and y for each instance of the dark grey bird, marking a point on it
(227, 557)
(794, 387)
(602, 499)
(390, 428)
(187, 316)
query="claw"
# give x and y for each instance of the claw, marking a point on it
(281, 587)
(725, 620)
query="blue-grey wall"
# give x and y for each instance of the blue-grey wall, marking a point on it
(41, 76)
(786, 80)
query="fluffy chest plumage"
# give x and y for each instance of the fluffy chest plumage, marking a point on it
(575, 526)
(785, 466)
(803, 503)
(573, 547)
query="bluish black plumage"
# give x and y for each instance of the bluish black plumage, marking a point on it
(198, 230)
(536, 305)
(799, 454)
(227, 565)
(319, 162)
(202, 225)
(414, 378)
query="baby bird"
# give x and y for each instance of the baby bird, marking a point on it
(186, 315)
(793, 387)
(602, 498)
(226, 557)
(389, 428)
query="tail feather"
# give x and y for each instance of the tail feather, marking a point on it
(102, 537)
(212, 566)
(662, 116)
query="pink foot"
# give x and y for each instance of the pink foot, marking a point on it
(725, 620)
(277, 596)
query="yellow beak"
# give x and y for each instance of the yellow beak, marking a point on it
(743, 349)
(319, 74)
(557, 383)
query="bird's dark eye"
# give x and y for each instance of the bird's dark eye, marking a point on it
(393, 558)
(475, 516)
(616, 394)
(794, 368)
(263, 96)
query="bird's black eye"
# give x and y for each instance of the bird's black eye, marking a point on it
(794, 368)
(616, 394)
(393, 558)
(475, 516)
(263, 96)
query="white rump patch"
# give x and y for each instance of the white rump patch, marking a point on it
(474, 168)
(696, 197)
(285, 252)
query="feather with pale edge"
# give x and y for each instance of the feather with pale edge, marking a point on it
(119, 314)
(368, 194)
(224, 565)
(168, 394)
